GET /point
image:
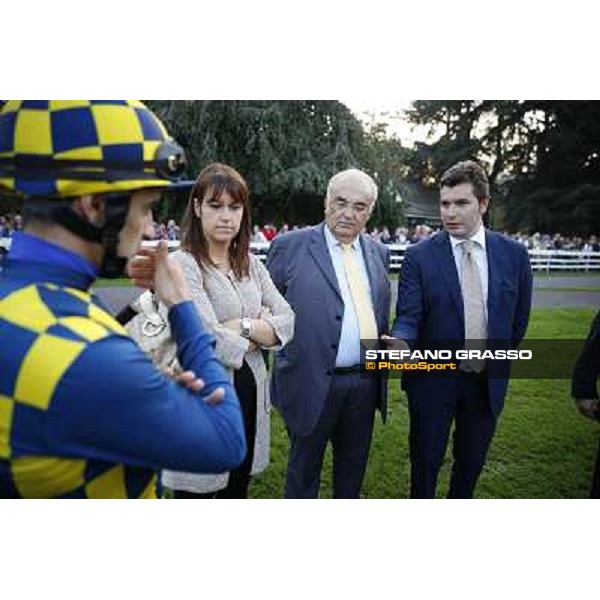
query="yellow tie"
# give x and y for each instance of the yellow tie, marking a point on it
(362, 303)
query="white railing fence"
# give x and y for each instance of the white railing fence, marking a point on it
(541, 260)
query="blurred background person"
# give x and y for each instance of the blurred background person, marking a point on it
(585, 391)
(172, 230)
(258, 235)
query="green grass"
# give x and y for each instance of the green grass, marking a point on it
(563, 289)
(103, 283)
(542, 275)
(394, 277)
(543, 448)
(551, 274)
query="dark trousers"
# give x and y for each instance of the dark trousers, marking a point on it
(239, 478)
(465, 402)
(346, 421)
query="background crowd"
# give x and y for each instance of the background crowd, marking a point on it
(10, 223)
(169, 230)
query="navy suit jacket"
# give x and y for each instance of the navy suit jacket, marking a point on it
(430, 305)
(300, 266)
(587, 367)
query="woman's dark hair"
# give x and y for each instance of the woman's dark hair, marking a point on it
(212, 181)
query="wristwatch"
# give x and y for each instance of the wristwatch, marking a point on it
(246, 325)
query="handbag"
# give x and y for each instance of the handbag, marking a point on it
(150, 329)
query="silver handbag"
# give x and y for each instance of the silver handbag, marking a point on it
(150, 329)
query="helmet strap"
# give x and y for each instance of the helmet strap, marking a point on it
(70, 220)
(116, 209)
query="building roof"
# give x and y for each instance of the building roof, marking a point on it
(421, 202)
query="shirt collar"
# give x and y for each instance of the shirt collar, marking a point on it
(30, 248)
(332, 242)
(478, 238)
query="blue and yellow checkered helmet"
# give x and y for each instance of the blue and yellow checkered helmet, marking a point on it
(69, 148)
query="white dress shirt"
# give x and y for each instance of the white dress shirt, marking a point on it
(480, 255)
(348, 353)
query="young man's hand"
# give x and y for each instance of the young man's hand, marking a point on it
(589, 408)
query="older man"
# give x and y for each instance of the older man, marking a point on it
(336, 281)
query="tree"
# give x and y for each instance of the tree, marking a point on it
(385, 159)
(542, 157)
(286, 150)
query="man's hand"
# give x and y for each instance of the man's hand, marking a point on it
(397, 344)
(589, 408)
(141, 268)
(394, 343)
(170, 285)
(194, 384)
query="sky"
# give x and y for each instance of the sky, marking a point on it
(390, 112)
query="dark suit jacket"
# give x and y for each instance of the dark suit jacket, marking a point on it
(430, 305)
(587, 368)
(302, 270)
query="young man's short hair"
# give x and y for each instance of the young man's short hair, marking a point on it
(467, 171)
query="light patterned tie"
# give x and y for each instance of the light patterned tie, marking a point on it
(362, 303)
(473, 302)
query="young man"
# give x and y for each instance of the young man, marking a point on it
(83, 412)
(470, 285)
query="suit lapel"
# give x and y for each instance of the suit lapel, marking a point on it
(447, 266)
(493, 260)
(320, 253)
(369, 250)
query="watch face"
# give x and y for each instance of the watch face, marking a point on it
(246, 327)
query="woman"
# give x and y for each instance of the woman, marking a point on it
(237, 300)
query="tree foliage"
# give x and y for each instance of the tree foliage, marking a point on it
(385, 158)
(286, 150)
(543, 157)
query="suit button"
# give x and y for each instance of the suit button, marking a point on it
(338, 317)
(329, 372)
(334, 346)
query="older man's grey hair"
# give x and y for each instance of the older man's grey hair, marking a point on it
(355, 174)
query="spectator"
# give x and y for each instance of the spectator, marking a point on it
(401, 237)
(172, 230)
(386, 237)
(160, 231)
(17, 222)
(258, 235)
(269, 232)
